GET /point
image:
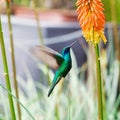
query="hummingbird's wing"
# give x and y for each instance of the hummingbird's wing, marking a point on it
(48, 56)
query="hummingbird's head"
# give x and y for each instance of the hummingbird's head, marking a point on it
(66, 50)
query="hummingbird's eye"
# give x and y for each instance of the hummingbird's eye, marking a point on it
(67, 50)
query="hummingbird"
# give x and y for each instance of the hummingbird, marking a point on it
(62, 63)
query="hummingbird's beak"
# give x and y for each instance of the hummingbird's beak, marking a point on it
(73, 43)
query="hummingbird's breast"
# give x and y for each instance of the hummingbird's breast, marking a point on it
(65, 67)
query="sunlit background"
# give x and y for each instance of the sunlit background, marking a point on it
(54, 23)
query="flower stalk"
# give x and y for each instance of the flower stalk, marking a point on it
(40, 35)
(92, 20)
(6, 73)
(38, 23)
(99, 83)
(13, 57)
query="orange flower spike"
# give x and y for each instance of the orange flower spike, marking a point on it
(9, 0)
(91, 19)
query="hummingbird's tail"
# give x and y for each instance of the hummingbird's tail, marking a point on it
(51, 89)
(54, 83)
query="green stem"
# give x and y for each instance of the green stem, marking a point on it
(48, 75)
(38, 23)
(18, 101)
(115, 29)
(6, 73)
(13, 57)
(40, 34)
(57, 111)
(69, 103)
(99, 83)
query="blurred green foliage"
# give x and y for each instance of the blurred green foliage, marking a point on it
(107, 6)
(22, 2)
